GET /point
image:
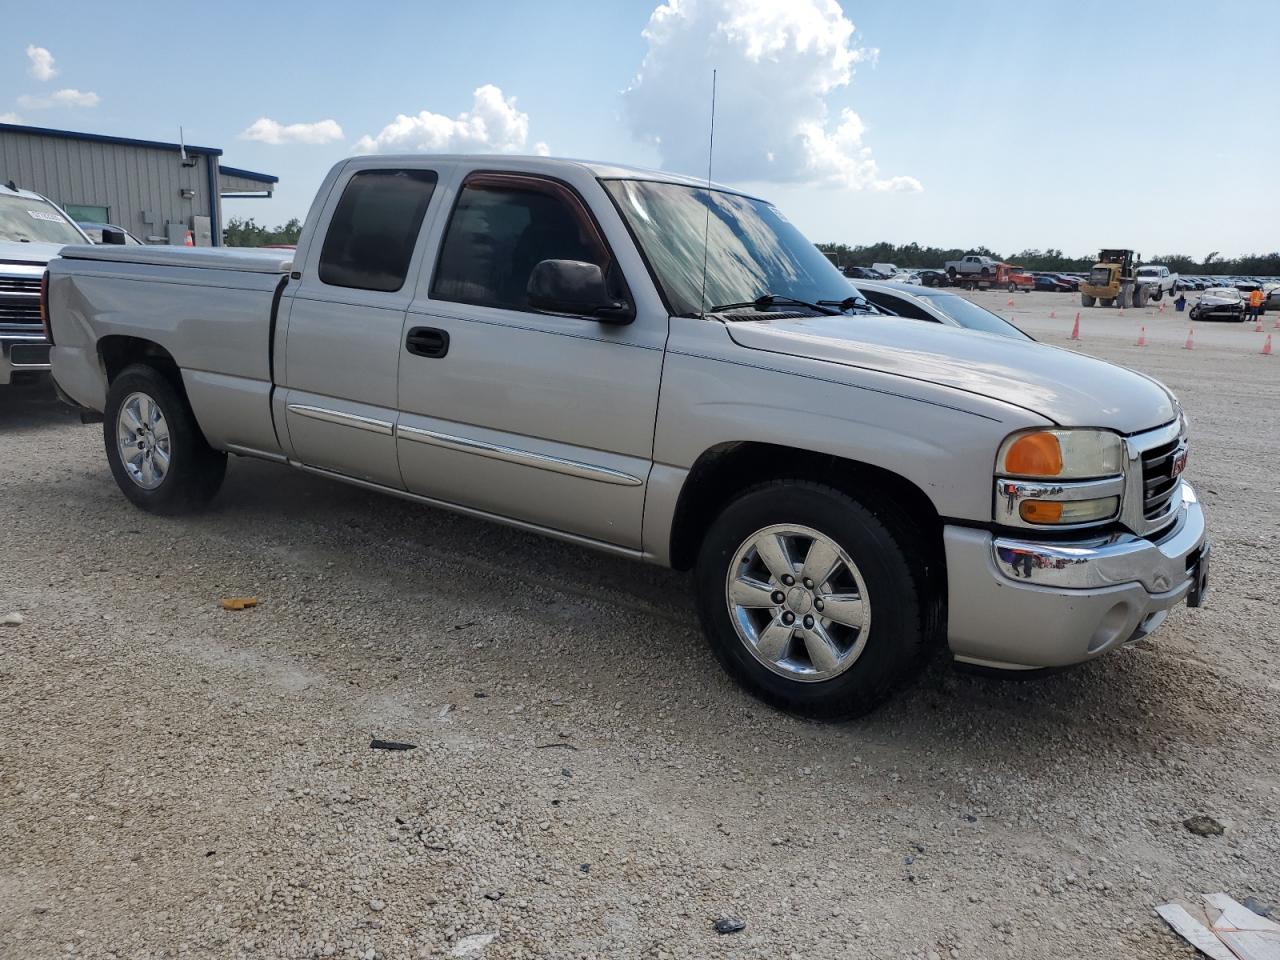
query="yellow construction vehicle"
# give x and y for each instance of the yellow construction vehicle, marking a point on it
(1112, 282)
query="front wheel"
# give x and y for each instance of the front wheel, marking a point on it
(158, 455)
(811, 601)
(1086, 300)
(1013, 288)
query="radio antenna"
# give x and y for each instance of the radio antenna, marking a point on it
(706, 226)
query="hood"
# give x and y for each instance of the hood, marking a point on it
(1068, 388)
(11, 251)
(1218, 300)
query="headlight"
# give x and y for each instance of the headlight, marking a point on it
(1060, 454)
(1060, 477)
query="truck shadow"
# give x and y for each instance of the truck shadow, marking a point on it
(618, 611)
(32, 405)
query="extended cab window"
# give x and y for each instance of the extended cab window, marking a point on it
(374, 229)
(504, 225)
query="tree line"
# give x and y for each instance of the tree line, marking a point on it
(246, 233)
(912, 255)
(240, 232)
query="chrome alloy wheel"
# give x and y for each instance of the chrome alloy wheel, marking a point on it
(142, 434)
(798, 603)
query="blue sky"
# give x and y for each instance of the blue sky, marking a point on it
(1071, 125)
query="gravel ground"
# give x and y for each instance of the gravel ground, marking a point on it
(179, 780)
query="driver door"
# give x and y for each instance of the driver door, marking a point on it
(538, 417)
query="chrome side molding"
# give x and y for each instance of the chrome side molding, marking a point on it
(496, 451)
(384, 427)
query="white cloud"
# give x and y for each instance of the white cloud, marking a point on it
(42, 67)
(272, 131)
(492, 125)
(62, 98)
(10, 118)
(777, 62)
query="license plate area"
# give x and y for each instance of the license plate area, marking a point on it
(1199, 572)
(29, 355)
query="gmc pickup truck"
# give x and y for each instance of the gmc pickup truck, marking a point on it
(32, 231)
(668, 371)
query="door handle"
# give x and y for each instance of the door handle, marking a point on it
(427, 342)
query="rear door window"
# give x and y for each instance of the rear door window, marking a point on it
(374, 229)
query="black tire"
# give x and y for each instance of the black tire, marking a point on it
(1107, 301)
(1086, 300)
(1013, 288)
(1158, 295)
(887, 550)
(195, 469)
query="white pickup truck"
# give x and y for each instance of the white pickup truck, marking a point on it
(1157, 279)
(667, 371)
(971, 266)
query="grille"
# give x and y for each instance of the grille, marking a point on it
(1159, 482)
(21, 309)
(20, 285)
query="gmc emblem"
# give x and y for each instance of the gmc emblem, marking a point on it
(1179, 463)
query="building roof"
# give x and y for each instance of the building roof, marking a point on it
(247, 174)
(103, 138)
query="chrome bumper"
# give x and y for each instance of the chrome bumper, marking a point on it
(22, 352)
(1022, 604)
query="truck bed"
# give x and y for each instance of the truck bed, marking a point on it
(203, 258)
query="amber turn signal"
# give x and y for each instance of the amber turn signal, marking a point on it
(1034, 455)
(1040, 511)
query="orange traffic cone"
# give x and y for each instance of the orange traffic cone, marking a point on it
(188, 242)
(1075, 330)
(1142, 337)
(1010, 303)
(1162, 306)
(1190, 344)
(1053, 315)
(1266, 347)
(1277, 326)
(1257, 327)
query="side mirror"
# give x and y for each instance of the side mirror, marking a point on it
(574, 286)
(113, 235)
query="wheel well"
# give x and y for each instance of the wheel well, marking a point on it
(117, 352)
(726, 470)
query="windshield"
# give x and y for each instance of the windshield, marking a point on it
(1148, 271)
(26, 219)
(1228, 293)
(751, 249)
(969, 314)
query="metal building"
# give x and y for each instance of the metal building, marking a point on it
(157, 191)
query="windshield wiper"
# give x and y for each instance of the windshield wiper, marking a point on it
(770, 300)
(851, 303)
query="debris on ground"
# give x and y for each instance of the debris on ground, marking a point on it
(239, 603)
(729, 925)
(1267, 910)
(376, 744)
(14, 619)
(471, 946)
(1223, 929)
(1203, 826)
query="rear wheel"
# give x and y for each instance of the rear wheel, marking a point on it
(1086, 300)
(158, 456)
(811, 600)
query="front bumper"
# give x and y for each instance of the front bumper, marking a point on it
(22, 352)
(1024, 604)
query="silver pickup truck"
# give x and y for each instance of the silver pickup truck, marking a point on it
(668, 371)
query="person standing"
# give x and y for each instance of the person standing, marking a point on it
(1255, 305)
